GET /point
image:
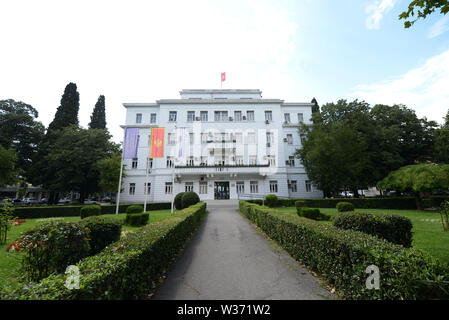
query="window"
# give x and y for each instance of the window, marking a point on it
(138, 118)
(273, 186)
(132, 188)
(287, 117)
(240, 186)
(153, 118)
(254, 186)
(172, 116)
(293, 186)
(190, 162)
(268, 115)
(289, 138)
(134, 163)
(171, 138)
(250, 115)
(190, 116)
(252, 160)
(147, 190)
(251, 138)
(189, 186)
(237, 115)
(168, 188)
(204, 115)
(308, 186)
(291, 161)
(272, 161)
(203, 161)
(270, 139)
(238, 138)
(170, 162)
(191, 136)
(300, 118)
(239, 160)
(221, 116)
(203, 187)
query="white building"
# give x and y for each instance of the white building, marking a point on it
(241, 146)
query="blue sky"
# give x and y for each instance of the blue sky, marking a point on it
(140, 51)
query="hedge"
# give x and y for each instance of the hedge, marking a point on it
(128, 268)
(72, 211)
(342, 256)
(178, 201)
(90, 210)
(345, 206)
(134, 209)
(189, 198)
(137, 219)
(271, 200)
(103, 231)
(391, 227)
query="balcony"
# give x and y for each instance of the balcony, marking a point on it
(211, 170)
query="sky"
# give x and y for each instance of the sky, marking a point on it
(141, 51)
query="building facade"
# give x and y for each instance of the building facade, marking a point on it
(237, 145)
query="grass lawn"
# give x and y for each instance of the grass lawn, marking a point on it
(10, 261)
(428, 233)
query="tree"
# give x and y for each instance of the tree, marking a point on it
(423, 8)
(441, 144)
(417, 179)
(98, 118)
(73, 159)
(67, 113)
(8, 171)
(20, 131)
(316, 107)
(109, 169)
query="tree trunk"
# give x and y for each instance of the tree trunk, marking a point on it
(418, 201)
(356, 193)
(82, 196)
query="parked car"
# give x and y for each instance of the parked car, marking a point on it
(91, 201)
(65, 201)
(17, 202)
(43, 201)
(347, 194)
(30, 201)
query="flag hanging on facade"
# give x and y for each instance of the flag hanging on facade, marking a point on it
(223, 76)
(131, 141)
(181, 140)
(157, 143)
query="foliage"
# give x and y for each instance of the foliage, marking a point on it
(103, 232)
(20, 131)
(90, 210)
(189, 198)
(137, 219)
(444, 212)
(98, 117)
(134, 209)
(311, 213)
(129, 268)
(67, 113)
(109, 170)
(441, 146)
(51, 247)
(6, 216)
(345, 206)
(391, 227)
(8, 171)
(178, 201)
(417, 179)
(271, 200)
(342, 256)
(421, 9)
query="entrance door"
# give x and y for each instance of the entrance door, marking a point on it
(221, 190)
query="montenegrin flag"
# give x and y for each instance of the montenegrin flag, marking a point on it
(157, 143)
(223, 76)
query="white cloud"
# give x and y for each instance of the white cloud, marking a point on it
(439, 27)
(425, 89)
(140, 51)
(376, 11)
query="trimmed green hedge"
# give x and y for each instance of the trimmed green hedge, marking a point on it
(391, 227)
(137, 219)
(271, 200)
(90, 210)
(345, 206)
(178, 201)
(72, 211)
(134, 209)
(127, 269)
(342, 256)
(189, 198)
(103, 232)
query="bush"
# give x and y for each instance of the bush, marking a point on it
(256, 201)
(310, 213)
(90, 210)
(285, 202)
(342, 256)
(345, 207)
(51, 247)
(137, 219)
(134, 209)
(189, 198)
(394, 228)
(130, 268)
(178, 201)
(103, 232)
(271, 200)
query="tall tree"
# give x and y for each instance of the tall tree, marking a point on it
(67, 113)
(8, 171)
(109, 169)
(20, 131)
(98, 117)
(316, 107)
(441, 145)
(423, 8)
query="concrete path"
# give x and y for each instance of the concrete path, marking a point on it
(229, 259)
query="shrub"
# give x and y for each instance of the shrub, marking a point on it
(394, 228)
(90, 210)
(313, 214)
(137, 219)
(271, 200)
(189, 198)
(103, 231)
(130, 268)
(342, 256)
(51, 247)
(134, 209)
(285, 202)
(345, 207)
(6, 216)
(256, 201)
(178, 201)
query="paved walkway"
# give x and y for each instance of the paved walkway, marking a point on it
(229, 259)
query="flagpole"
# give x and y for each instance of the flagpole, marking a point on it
(173, 178)
(146, 186)
(120, 178)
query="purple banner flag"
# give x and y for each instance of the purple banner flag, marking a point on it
(130, 147)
